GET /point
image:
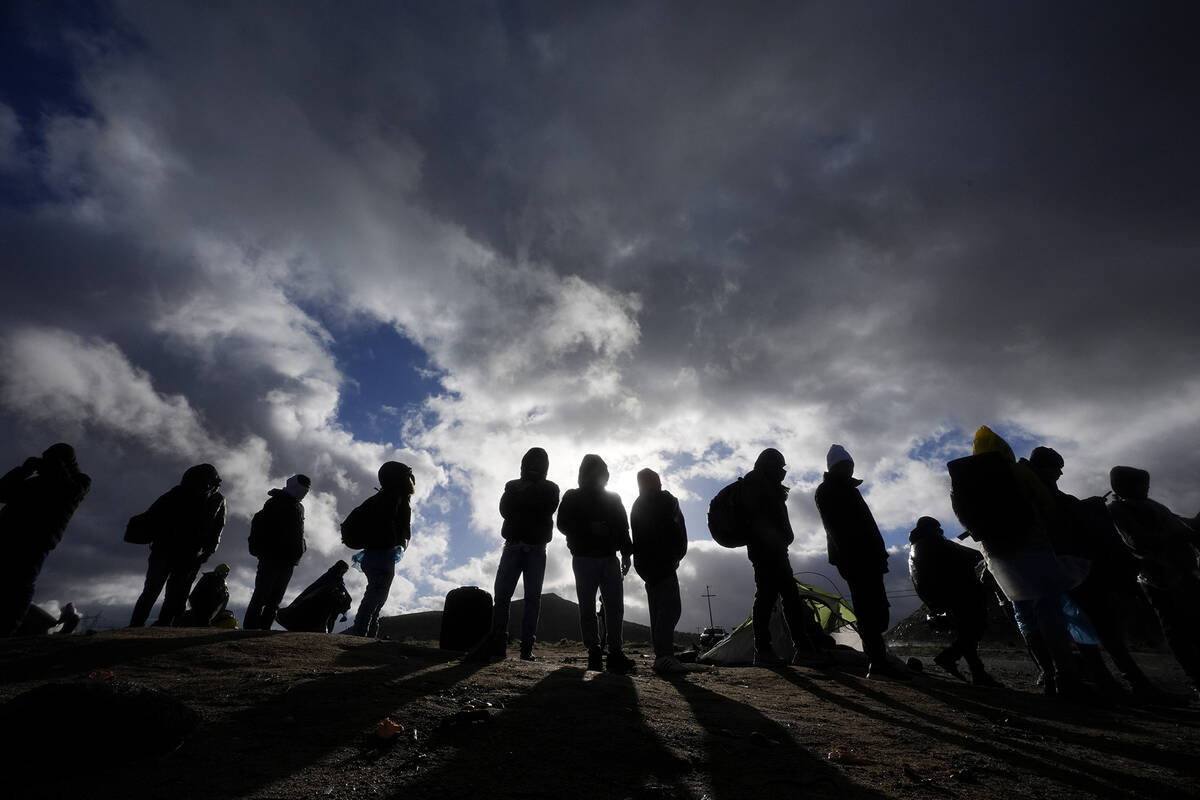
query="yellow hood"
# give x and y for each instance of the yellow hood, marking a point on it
(988, 441)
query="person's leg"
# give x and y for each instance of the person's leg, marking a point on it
(507, 573)
(612, 592)
(278, 577)
(534, 574)
(179, 585)
(380, 567)
(157, 570)
(1177, 609)
(766, 590)
(868, 597)
(18, 579)
(797, 614)
(587, 580)
(665, 610)
(254, 608)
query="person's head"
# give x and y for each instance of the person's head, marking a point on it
(927, 527)
(593, 472)
(535, 464)
(838, 461)
(297, 486)
(201, 479)
(397, 477)
(1130, 483)
(1047, 464)
(341, 566)
(61, 453)
(771, 464)
(648, 481)
(222, 570)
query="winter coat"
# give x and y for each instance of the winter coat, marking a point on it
(764, 504)
(854, 542)
(208, 597)
(187, 524)
(529, 502)
(387, 519)
(594, 522)
(1163, 544)
(943, 571)
(38, 507)
(659, 535)
(277, 531)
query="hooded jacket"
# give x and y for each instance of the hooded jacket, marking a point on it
(189, 518)
(763, 499)
(37, 507)
(942, 571)
(593, 519)
(1162, 543)
(529, 502)
(854, 542)
(659, 535)
(277, 531)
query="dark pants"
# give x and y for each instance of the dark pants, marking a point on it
(869, 599)
(1178, 611)
(380, 568)
(270, 583)
(773, 579)
(665, 610)
(969, 619)
(1107, 607)
(178, 573)
(602, 574)
(18, 577)
(519, 560)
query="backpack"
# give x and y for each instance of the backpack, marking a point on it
(988, 500)
(356, 530)
(725, 522)
(140, 529)
(258, 533)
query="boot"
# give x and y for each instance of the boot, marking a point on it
(595, 659)
(948, 660)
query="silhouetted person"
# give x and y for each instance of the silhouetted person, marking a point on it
(1022, 560)
(277, 540)
(316, 609)
(943, 574)
(762, 500)
(387, 522)
(527, 506)
(1165, 549)
(596, 528)
(187, 522)
(208, 598)
(659, 544)
(69, 618)
(856, 548)
(39, 498)
(1083, 529)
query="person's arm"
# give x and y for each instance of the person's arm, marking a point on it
(212, 538)
(15, 477)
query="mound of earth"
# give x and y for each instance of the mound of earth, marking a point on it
(295, 715)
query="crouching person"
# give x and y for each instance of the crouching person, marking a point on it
(659, 544)
(316, 609)
(208, 599)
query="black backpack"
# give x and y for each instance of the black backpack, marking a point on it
(725, 522)
(987, 498)
(258, 532)
(356, 530)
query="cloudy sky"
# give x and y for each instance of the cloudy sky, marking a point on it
(305, 237)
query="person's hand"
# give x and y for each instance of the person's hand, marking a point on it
(625, 564)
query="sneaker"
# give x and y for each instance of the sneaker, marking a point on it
(766, 657)
(949, 663)
(620, 663)
(887, 671)
(595, 660)
(527, 655)
(668, 665)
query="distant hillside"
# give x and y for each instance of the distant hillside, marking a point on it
(559, 619)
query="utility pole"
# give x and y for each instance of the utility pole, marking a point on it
(709, 596)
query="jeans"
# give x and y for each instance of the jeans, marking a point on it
(665, 610)
(517, 560)
(178, 573)
(380, 568)
(270, 583)
(602, 573)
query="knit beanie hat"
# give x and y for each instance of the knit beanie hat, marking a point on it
(836, 455)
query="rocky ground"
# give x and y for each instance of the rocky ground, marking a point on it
(285, 715)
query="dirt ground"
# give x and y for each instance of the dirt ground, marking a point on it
(287, 715)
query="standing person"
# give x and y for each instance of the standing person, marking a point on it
(186, 522)
(856, 548)
(1166, 551)
(277, 540)
(943, 575)
(39, 497)
(762, 502)
(383, 525)
(596, 528)
(527, 506)
(659, 544)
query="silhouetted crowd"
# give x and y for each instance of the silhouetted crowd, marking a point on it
(1066, 570)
